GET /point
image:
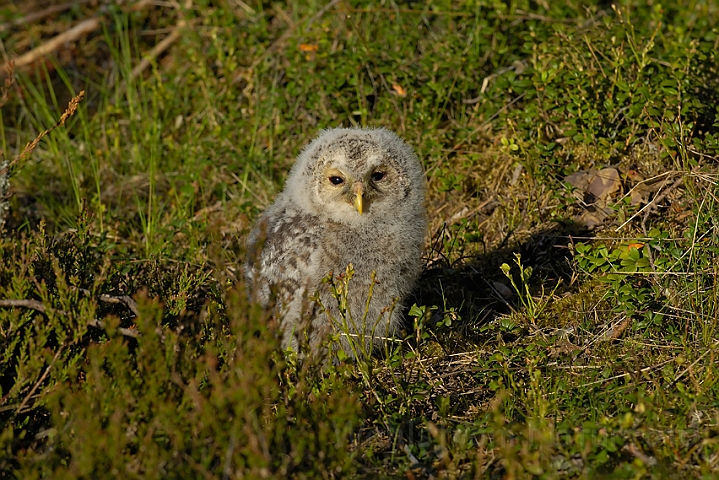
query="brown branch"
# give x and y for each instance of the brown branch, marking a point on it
(127, 332)
(123, 299)
(488, 122)
(524, 16)
(32, 304)
(82, 28)
(4, 177)
(647, 460)
(157, 50)
(40, 307)
(37, 305)
(652, 205)
(37, 16)
(628, 374)
(518, 65)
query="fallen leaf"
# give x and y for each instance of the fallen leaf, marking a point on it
(562, 349)
(635, 176)
(592, 218)
(616, 330)
(638, 196)
(309, 47)
(605, 183)
(398, 88)
(594, 190)
(579, 179)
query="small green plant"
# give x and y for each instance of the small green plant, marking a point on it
(355, 331)
(532, 307)
(421, 317)
(628, 269)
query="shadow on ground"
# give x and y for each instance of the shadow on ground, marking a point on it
(475, 291)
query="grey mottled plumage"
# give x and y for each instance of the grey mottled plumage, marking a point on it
(354, 196)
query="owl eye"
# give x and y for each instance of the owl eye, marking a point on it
(377, 176)
(334, 180)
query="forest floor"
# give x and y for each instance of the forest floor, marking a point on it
(565, 325)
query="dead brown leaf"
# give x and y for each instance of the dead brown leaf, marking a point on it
(595, 190)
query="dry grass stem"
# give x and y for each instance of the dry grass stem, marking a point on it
(69, 111)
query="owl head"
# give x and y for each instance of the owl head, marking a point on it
(356, 176)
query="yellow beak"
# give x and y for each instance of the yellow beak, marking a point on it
(359, 192)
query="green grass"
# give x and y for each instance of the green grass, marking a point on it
(535, 348)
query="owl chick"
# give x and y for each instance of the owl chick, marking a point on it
(353, 197)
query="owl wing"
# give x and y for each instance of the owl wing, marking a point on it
(285, 253)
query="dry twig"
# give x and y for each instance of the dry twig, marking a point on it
(649, 461)
(82, 28)
(157, 50)
(123, 299)
(37, 16)
(655, 202)
(117, 299)
(32, 304)
(40, 307)
(126, 332)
